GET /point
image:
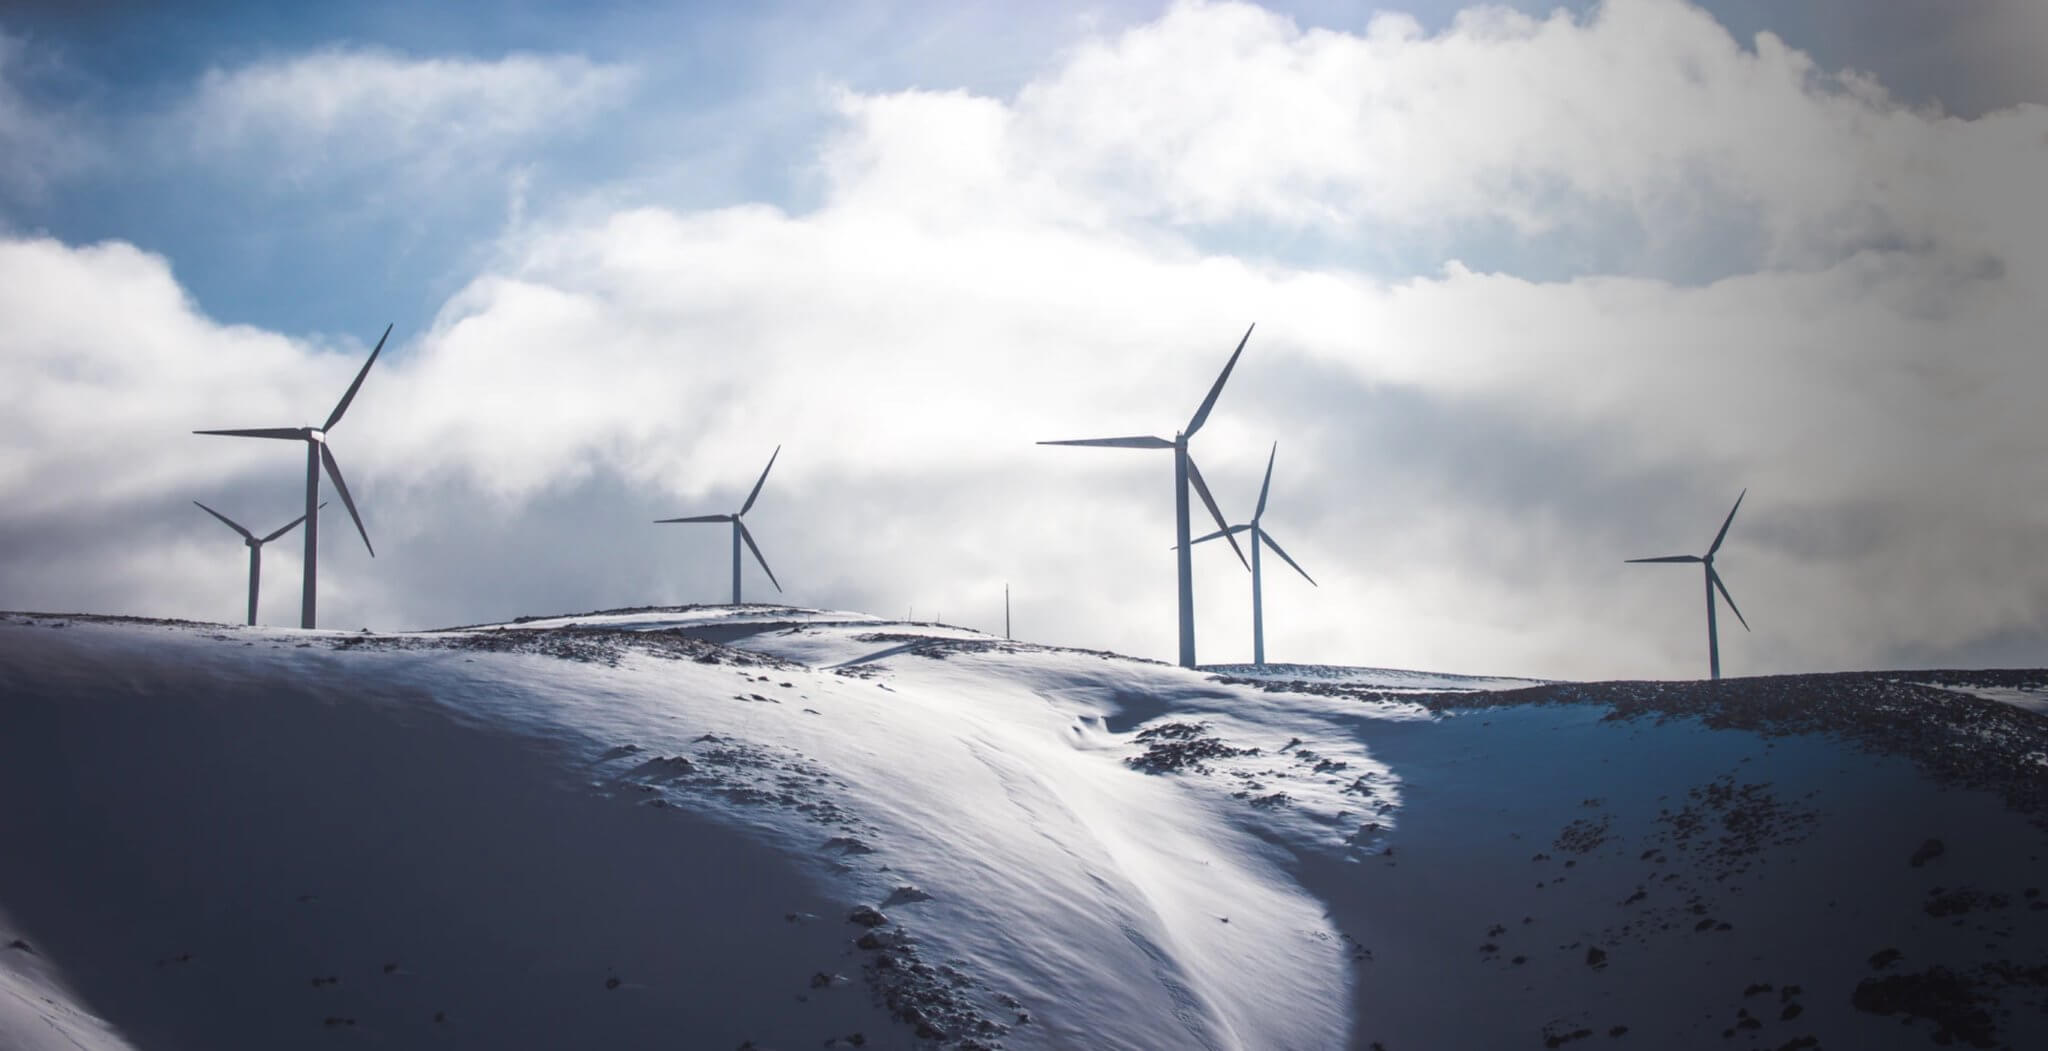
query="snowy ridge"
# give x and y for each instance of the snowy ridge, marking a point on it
(1387, 679)
(803, 828)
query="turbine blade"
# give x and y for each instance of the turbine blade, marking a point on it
(1723, 589)
(695, 518)
(744, 508)
(1140, 442)
(334, 475)
(1716, 546)
(1668, 558)
(1267, 484)
(1275, 545)
(230, 522)
(1202, 414)
(1201, 487)
(342, 405)
(749, 538)
(288, 528)
(1220, 533)
(292, 433)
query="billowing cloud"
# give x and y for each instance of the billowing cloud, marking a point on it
(1466, 454)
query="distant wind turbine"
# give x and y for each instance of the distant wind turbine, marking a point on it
(1184, 474)
(317, 454)
(255, 549)
(739, 531)
(1259, 536)
(1713, 583)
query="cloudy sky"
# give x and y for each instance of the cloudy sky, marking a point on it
(1537, 289)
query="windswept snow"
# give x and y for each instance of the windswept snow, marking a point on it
(37, 1009)
(1392, 680)
(2032, 696)
(805, 828)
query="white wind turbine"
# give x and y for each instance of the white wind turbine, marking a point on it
(1713, 583)
(1185, 474)
(318, 455)
(255, 549)
(739, 531)
(1260, 536)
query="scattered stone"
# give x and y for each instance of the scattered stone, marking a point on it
(1181, 746)
(1556, 1035)
(866, 916)
(906, 894)
(1961, 902)
(1596, 958)
(1936, 994)
(1927, 852)
(1884, 958)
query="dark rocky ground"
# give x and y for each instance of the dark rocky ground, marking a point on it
(1956, 739)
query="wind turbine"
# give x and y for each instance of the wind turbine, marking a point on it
(317, 454)
(1258, 536)
(1713, 583)
(739, 531)
(255, 549)
(1184, 474)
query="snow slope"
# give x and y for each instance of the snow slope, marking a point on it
(655, 828)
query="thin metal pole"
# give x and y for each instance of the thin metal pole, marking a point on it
(1713, 636)
(255, 575)
(307, 599)
(1184, 557)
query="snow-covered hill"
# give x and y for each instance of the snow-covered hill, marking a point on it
(780, 828)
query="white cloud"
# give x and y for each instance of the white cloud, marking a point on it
(1465, 456)
(39, 142)
(346, 111)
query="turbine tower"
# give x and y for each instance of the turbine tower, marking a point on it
(1713, 583)
(317, 454)
(1184, 474)
(739, 531)
(1260, 536)
(255, 549)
